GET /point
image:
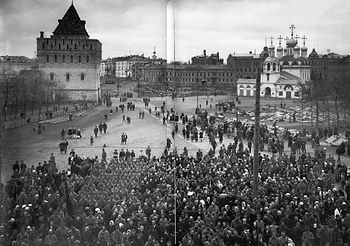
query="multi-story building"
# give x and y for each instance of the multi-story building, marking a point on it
(209, 70)
(124, 65)
(129, 66)
(247, 65)
(323, 65)
(108, 66)
(15, 64)
(187, 75)
(70, 57)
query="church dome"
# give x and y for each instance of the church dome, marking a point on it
(297, 47)
(265, 52)
(304, 48)
(291, 43)
(280, 48)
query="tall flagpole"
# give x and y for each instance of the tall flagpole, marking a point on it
(175, 196)
(256, 136)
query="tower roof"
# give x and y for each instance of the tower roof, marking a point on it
(313, 53)
(71, 24)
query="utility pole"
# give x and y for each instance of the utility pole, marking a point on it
(256, 135)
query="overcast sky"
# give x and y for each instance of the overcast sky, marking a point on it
(135, 26)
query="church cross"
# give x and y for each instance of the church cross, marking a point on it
(303, 38)
(280, 38)
(292, 27)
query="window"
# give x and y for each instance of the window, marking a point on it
(63, 58)
(43, 46)
(280, 93)
(268, 66)
(55, 58)
(71, 59)
(47, 58)
(87, 59)
(79, 59)
(274, 67)
(52, 76)
(268, 77)
(67, 77)
(82, 76)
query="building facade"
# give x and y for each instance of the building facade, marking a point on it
(324, 64)
(71, 58)
(188, 75)
(128, 66)
(246, 66)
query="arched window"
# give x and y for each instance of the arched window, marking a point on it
(67, 77)
(274, 67)
(52, 76)
(75, 46)
(47, 58)
(87, 59)
(82, 76)
(268, 66)
(71, 59)
(90, 46)
(295, 63)
(286, 63)
(79, 59)
(43, 46)
(55, 57)
(63, 58)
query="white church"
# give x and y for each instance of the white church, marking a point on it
(283, 72)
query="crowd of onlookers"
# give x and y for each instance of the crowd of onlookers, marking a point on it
(177, 199)
(303, 200)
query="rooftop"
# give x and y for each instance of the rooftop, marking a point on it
(71, 24)
(16, 59)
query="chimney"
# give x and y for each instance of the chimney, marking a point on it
(41, 34)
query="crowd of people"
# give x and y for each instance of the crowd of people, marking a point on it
(72, 132)
(178, 199)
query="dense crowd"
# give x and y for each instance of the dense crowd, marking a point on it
(177, 199)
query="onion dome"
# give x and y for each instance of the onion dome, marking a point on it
(265, 52)
(291, 43)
